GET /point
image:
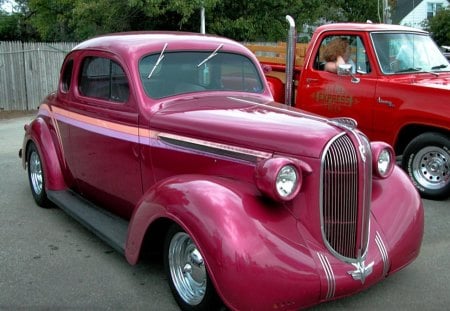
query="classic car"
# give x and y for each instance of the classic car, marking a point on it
(172, 142)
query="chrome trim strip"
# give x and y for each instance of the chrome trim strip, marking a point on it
(214, 148)
(331, 280)
(383, 252)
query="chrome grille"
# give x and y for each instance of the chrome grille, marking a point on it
(340, 213)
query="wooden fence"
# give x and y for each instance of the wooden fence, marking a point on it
(28, 72)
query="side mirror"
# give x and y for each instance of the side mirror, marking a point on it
(347, 70)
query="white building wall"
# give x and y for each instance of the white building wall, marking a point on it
(417, 16)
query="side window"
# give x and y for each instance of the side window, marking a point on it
(67, 76)
(103, 78)
(350, 48)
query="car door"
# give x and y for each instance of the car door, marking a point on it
(104, 153)
(333, 95)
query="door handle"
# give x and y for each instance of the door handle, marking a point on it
(311, 80)
(385, 102)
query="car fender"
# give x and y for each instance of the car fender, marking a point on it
(234, 228)
(400, 217)
(38, 132)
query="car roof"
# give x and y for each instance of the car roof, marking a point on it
(127, 43)
(367, 27)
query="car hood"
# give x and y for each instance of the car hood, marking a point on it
(246, 122)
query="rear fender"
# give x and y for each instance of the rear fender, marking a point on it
(39, 133)
(276, 88)
(247, 242)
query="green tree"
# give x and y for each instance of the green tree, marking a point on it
(52, 18)
(439, 27)
(350, 10)
(15, 25)
(247, 20)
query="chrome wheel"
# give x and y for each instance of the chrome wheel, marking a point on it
(187, 269)
(35, 171)
(36, 176)
(430, 168)
(427, 161)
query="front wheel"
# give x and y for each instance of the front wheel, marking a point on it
(36, 176)
(427, 161)
(187, 273)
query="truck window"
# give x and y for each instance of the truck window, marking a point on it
(358, 57)
(104, 79)
(407, 52)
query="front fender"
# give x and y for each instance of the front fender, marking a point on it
(398, 209)
(256, 258)
(39, 133)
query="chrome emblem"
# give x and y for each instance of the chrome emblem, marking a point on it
(362, 271)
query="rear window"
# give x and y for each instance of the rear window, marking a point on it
(186, 72)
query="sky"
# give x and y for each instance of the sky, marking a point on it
(8, 6)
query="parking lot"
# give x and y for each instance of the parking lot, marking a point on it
(50, 262)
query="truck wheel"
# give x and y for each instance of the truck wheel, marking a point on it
(36, 176)
(427, 161)
(187, 273)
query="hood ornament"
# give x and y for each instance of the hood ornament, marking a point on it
(362, 271)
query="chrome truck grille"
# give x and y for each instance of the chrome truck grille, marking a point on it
(345, 196)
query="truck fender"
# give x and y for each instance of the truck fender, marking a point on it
(276, 87)
(234, 229)
(39, 133)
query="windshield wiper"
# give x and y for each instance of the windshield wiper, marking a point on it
(439, 67)
(160, 58)
(210, 55)
(409, 69)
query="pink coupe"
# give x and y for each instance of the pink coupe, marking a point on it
(172, 141)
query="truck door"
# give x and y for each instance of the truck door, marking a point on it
(331, 95)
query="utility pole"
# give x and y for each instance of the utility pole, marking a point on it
(386, 12)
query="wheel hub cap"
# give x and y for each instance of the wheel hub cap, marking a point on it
(35, 172)
(431, 167)
(187, 269)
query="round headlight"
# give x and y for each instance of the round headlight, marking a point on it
(286, 181)
(383, 159)
(384, 162)
(281, 178)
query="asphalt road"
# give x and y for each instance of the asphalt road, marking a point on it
(50, 262)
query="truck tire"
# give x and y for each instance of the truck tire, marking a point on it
(36, 176)
(427, 161)
(187, 274)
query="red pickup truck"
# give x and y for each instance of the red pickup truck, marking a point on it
(397, 90)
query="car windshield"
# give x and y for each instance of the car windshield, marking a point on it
(408, 52)
(165, 73)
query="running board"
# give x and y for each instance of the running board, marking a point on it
(107, 226)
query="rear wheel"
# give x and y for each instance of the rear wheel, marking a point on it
(36, 176)
(427, 161)
(187, 273)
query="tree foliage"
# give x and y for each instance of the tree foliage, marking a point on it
(439, 27)
(247, 20)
